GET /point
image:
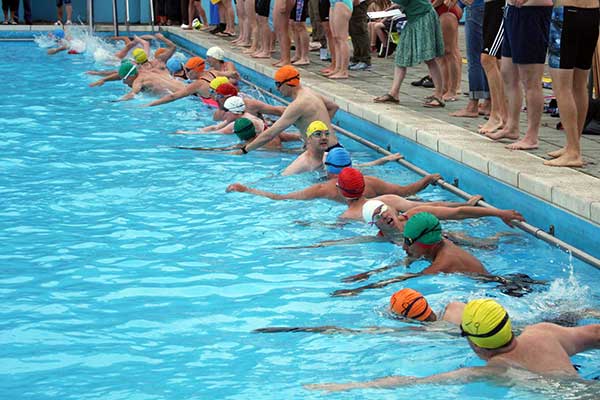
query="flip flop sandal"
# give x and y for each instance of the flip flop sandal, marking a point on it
(386, 98)
(434, 103)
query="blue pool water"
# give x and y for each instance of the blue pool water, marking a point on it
(127, 272)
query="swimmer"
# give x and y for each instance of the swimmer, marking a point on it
(145, 81)
(223, 90)
(337, 159)
(62, 43)
(215, 57)
(200, 82)
(317, 143)
(543, 349)
(246, 131)
(175, 67)
(306, 107)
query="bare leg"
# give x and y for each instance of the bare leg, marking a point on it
(436, 77)
(339, 19)
(202, 15)
(69, 8)
(59, 11)
(530, 76)
(510, 76)
(448, 64)
(399, 74)
(229, 17)
(295, 40)
(281, 21)
(264, 50)
(498, 110)
(301, 44)
(331, 45)
(563, 85)
(252, 27)
(242, 23)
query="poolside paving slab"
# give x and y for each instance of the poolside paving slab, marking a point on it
(574, 190)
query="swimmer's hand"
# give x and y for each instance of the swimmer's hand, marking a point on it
(389, 381)
(508, 216)
(237, 152)
(433, 178)
(236, 187)
(473, 200)
(182, 132)
(97, 83)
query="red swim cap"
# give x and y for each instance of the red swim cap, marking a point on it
(351, 183)
(227, 89)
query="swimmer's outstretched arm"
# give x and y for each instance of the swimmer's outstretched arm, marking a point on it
(365, 275)
(171, 48)
(186, 91)
(235, 146)
(329, 330)
(101, 72)
(339, 242)
(113, 76)
(290, 137)
(462, 375)
(311, 192)
(376, 285)
(135, 89)
(57, 50)
(466, 212)
(381, 161)
(125, 50)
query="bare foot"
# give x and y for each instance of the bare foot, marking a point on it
(294, 59)
(281, 63)
(557, 153)
(491, 126)
(302, 61)
(523, 144)
(250, 50)
(449, 97)
(566, 160)
(245, 44)
(261, 54)
(328, 71)
(504, 133)
(339, 75)
(473, 200)
(464, 113)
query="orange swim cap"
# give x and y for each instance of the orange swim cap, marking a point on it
(351, 183)
(195, 64)
(287, 75)
(410, 304)
(160, 51)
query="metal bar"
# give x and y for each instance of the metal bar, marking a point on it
(127, 19)
(533, 230)
(115, 18)
(152, 15)
(90, 7)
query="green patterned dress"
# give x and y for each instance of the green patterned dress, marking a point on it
(421, 39)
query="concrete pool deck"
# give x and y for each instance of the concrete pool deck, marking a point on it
(574, 190)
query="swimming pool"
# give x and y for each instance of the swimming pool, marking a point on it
(128, 272)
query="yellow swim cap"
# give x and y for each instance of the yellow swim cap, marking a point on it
(316, 126)
(218, 81)
(486, 324)
(139, 56)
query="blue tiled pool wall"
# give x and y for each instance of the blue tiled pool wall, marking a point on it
(567, 226)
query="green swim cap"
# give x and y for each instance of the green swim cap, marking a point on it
(127, 69)
(423, 228)
(244, 129)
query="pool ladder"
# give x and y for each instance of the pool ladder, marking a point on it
(115, 12)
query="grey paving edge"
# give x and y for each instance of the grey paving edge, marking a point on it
(565, 188)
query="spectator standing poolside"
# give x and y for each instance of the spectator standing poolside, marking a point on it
(59, 11)
(10, 18)
(421, 41)
(573, 38)
(451, 62)
(526, 34)
(359, 33)
(478, 86)
(339, 17)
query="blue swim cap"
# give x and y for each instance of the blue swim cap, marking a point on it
(337, 159)
(58, 33)
(174, 65)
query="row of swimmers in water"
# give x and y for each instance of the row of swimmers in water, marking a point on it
(542, 348)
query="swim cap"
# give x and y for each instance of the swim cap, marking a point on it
(227, 90)
(58, 33)
(174, 65)
(369, 209)
(216, 52)
(316, 126)
(423, 228)
(159, 51)
(244, 129)
(351, 183)
(410, 304)
(235, 105)
(337, 159)
(287, 75)
(218, 81)
(196, 64)
(486, 324)
(139, 56)
(127, 69)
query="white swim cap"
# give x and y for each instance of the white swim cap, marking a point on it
(216, 52)
(369, 208)
(235, 104)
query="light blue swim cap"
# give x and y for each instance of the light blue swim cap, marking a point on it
(174, 65)
(337, 159)
(58, 33)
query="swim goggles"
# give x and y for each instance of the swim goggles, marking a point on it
(491, 333)
(349, 164)
(131, 71)
(379, 214)
(318, 134)
(410, 241)
(280, 84)
(409, 306)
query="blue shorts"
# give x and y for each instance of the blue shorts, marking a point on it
(59, 3)
(348, 3)
(526, 33)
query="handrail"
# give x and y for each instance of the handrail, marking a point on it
(90, 7)
(115, 18)
(152, 15)
(532, 230)
(127, 19)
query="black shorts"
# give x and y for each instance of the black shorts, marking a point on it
(324, 7)
(573, 37)
(526, 31)
(262, 7)
(299, 11)
(493, 28)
